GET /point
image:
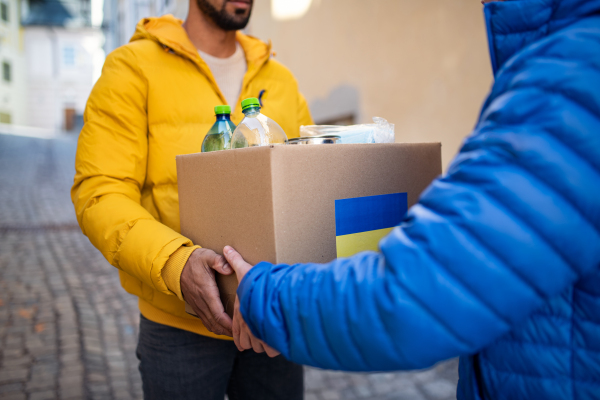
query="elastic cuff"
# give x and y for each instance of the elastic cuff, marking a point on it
(171, 272)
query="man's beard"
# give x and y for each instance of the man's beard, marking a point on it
(221, 18)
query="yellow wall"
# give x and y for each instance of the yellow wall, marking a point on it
(421, 64)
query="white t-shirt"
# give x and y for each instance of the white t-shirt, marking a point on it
(229, 73)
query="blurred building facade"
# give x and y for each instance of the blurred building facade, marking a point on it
(122, 16)
(12, 58)
(61, 50)
(423, 65)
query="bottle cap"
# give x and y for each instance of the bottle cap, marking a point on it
(222, 110)
(251, 102)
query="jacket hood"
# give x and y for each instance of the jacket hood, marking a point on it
(514, 24)
(169, 33)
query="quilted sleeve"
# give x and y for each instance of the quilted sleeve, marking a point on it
(515, 221)
(110, 172)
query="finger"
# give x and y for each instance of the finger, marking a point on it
(216, 311)
(245, 341)
(238, 323)
(271, 352)
(199, 310)
(214, 317)
(236, 262)
(236, 333)
(256, 344)
(224, 321)
(219, 264)
(219, 319)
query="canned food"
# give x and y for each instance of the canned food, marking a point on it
(324, 139)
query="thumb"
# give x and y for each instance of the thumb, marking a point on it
(220, 265)
(236, 261)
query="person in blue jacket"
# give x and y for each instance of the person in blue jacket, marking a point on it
(499, 262)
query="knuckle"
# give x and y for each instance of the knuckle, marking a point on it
(209, 326)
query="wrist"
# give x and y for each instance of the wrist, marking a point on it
(172, 272)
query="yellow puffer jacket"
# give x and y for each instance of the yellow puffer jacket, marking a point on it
(155, 100)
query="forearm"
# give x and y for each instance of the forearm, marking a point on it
(345, 315)
(127, 235)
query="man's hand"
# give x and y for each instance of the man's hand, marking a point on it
(200, 290)
(242, 336)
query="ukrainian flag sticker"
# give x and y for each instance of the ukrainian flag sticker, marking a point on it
(361, 222)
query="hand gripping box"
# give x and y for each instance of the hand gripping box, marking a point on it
(305, 203)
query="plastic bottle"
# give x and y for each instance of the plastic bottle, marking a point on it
(219, 135)
(256, 129)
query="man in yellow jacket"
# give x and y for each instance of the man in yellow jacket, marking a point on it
(154, 101)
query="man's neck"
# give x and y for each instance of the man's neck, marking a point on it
(207, 36)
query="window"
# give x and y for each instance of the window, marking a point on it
(4, 11)
(6, 71)
(69, 56)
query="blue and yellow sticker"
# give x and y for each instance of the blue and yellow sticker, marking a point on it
(361, 222)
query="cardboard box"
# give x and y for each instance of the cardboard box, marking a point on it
(296, 204)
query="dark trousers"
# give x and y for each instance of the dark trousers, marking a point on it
(181, 365)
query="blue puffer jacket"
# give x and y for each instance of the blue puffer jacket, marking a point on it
(499, 262)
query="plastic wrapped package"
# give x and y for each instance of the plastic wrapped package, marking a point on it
(380, 131)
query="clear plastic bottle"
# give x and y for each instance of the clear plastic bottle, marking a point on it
(219, 135)
(256, 129)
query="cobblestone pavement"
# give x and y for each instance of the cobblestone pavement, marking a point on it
(68, 330)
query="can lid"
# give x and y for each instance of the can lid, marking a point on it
(222, 110)
(251, 102)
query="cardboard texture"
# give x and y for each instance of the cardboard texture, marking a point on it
(278, 203)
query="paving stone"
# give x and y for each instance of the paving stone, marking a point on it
(71, 381)
(330, 395)
(409, 393)
(122, 395)
(9, 375)
(17, 361)
(11, 387)
(44, 395)
(71, 394)
(363, 391)
(13, 396)
(439, 389)
(12, 353)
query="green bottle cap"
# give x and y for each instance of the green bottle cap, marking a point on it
(222, 110)
(251, 102)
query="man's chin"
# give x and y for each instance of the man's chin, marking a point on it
(238, 21)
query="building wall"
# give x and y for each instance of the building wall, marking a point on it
(13, 92)
(422, 65)
(122, 16)
(60, 70)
